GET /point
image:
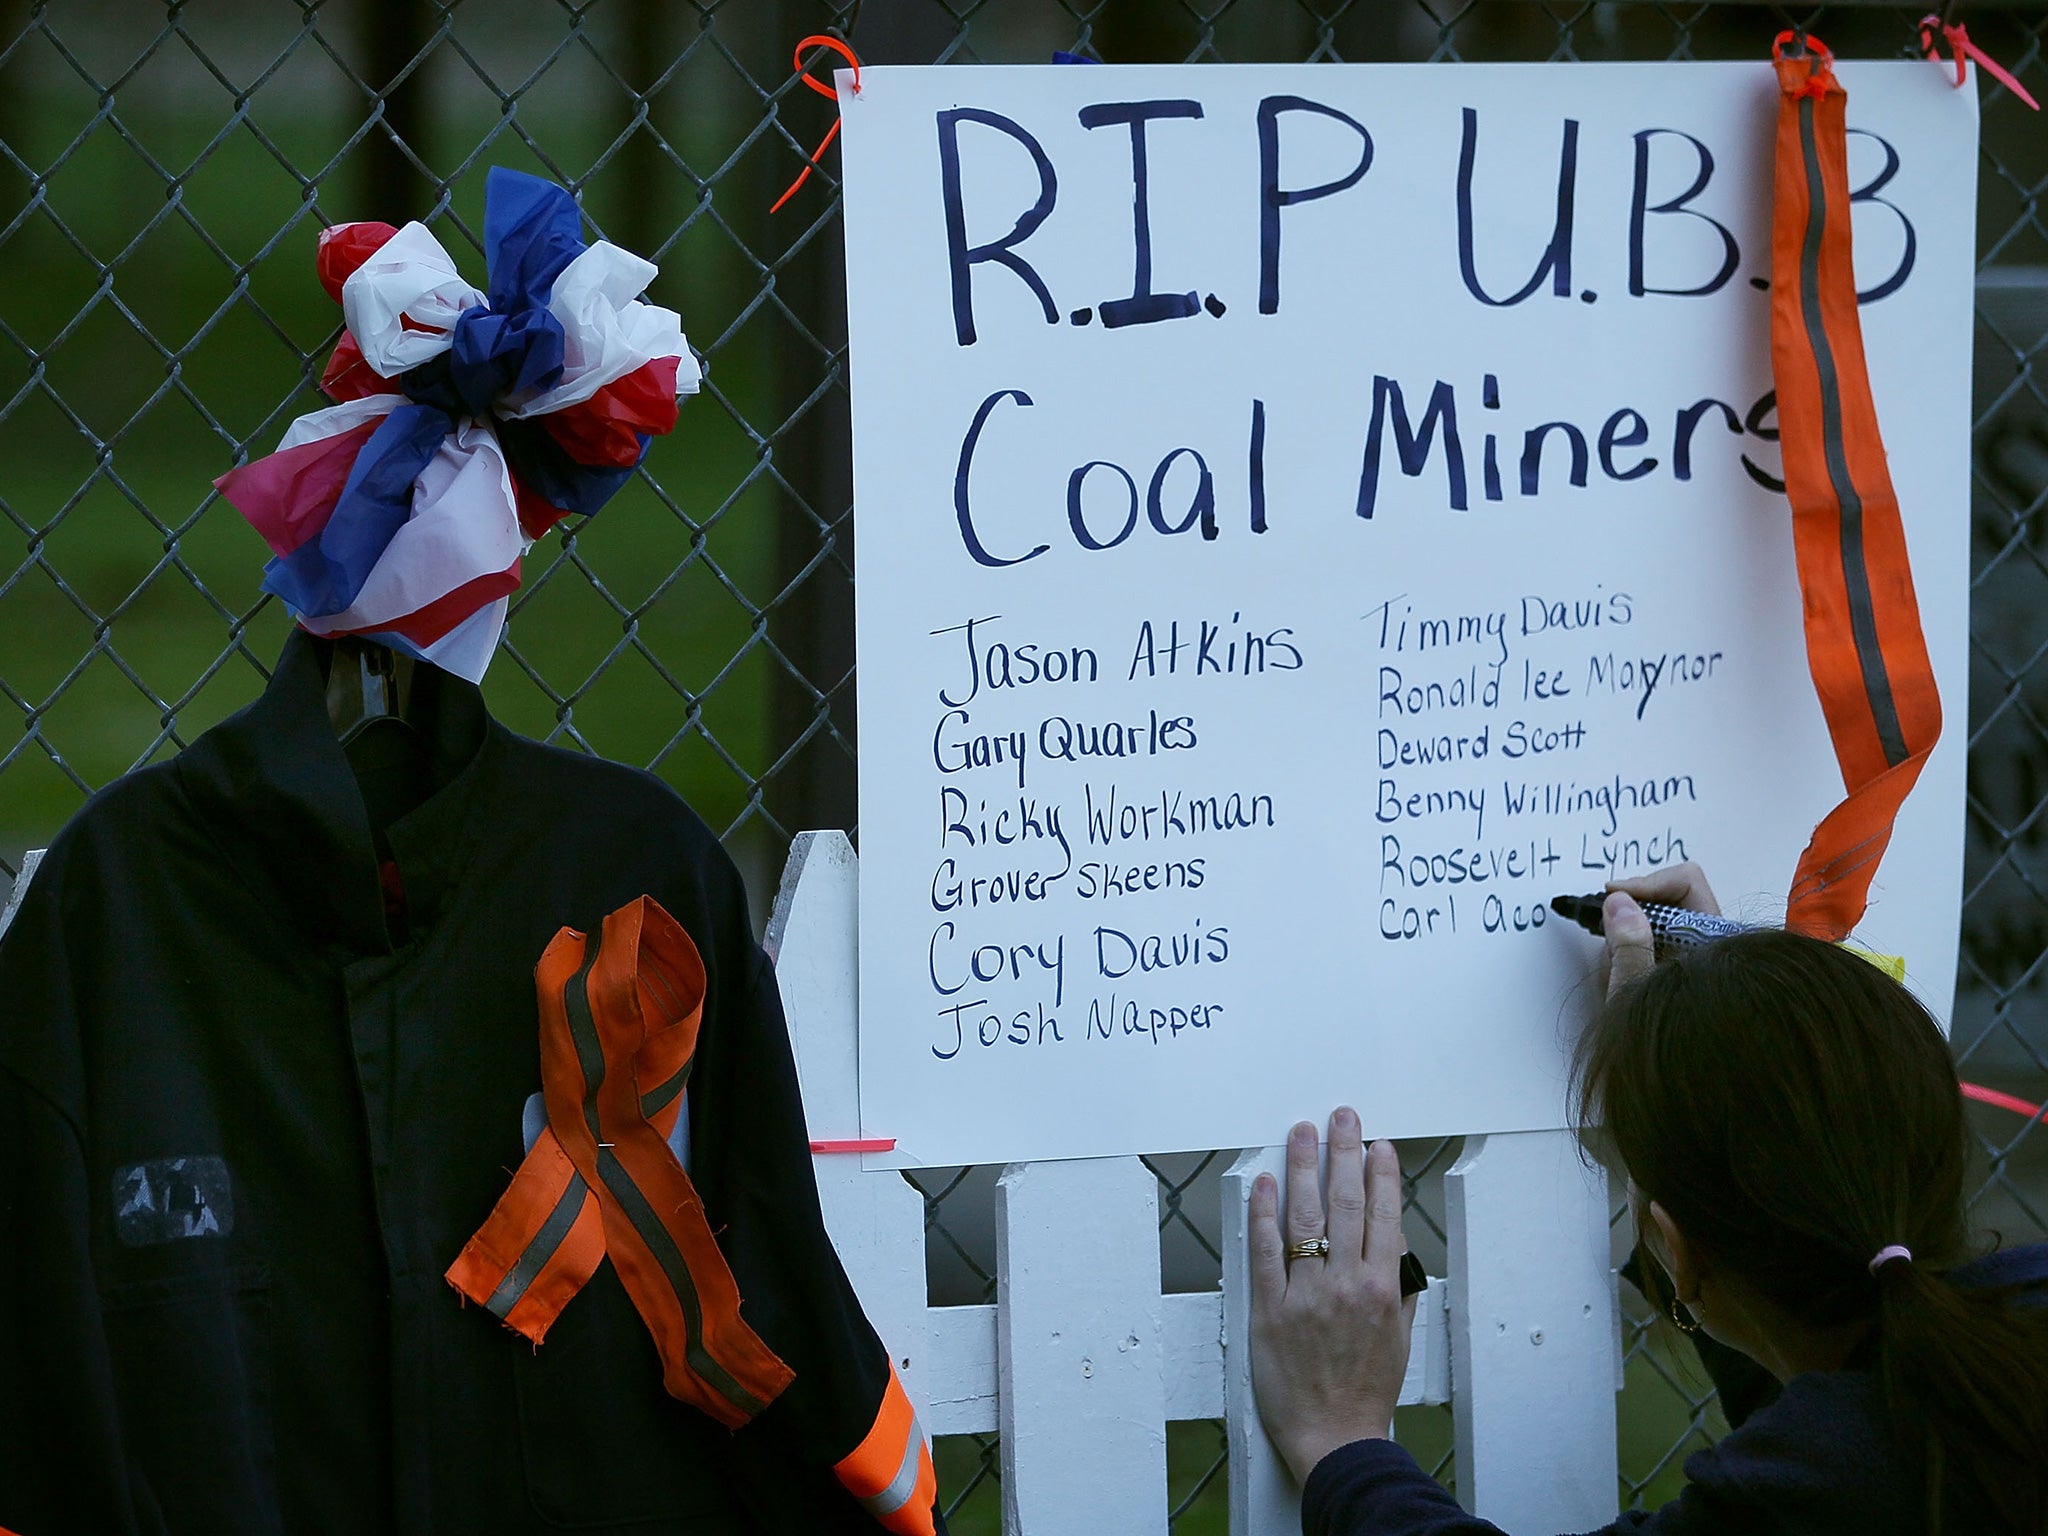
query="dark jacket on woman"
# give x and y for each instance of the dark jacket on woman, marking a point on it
(1815, 1461)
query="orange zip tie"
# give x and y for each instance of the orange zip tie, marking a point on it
(1960, 48)
(819, 40)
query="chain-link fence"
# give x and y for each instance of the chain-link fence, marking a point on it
(163, 172)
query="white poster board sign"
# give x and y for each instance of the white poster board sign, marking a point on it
(1308, 517)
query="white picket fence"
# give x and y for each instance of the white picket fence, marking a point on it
(1082, 1362)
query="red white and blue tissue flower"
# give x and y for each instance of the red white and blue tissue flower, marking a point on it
(466, 424)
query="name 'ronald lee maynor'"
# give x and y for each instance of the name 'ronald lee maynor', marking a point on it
(1403, 695)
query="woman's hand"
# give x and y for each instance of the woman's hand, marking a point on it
(1629, 950)
(1329, 1336)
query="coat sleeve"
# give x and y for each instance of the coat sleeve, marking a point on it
(62, 1464)
(1375, 1488)
(845, 1415)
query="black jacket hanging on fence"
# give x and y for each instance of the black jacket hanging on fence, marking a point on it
(245, 1125)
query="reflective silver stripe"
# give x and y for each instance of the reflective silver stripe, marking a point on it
(1877, 685)
(655, 1100)
(541, 1249)
(892, 1498)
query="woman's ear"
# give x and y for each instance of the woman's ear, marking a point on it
(1679, 1256)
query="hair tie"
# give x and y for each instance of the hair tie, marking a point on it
(1888, 1253)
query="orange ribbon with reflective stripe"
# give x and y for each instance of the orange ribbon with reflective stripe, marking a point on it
(890, 1471)
(1863, 640)
(618, 1027)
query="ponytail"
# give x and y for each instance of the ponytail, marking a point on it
(1965, 1372)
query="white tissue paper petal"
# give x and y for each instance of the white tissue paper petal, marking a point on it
(464, 524)
(467, 649)
(409, 276)
(337, 419)
(608, 331)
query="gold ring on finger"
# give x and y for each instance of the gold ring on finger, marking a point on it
(1314, 1248)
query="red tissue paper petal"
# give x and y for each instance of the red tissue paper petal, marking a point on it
(604, 431)
(289, 496)
(348, 375)
(536, 516)
(344, 247)
(423, 626)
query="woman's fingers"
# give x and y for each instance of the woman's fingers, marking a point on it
(1679, 885)
(1630, 948)
(1384, 1243)
(1347, 1188)
(1304, 1192)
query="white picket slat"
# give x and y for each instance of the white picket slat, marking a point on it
(1534, 1367)
(960, 1350)
(875, 1222)
(1263, 1498)
(1079, 1339)
(1192, 1338)
(961, 1389)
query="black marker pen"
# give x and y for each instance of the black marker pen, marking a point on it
(1673, 928)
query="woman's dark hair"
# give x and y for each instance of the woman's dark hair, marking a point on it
(1795, 1110)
